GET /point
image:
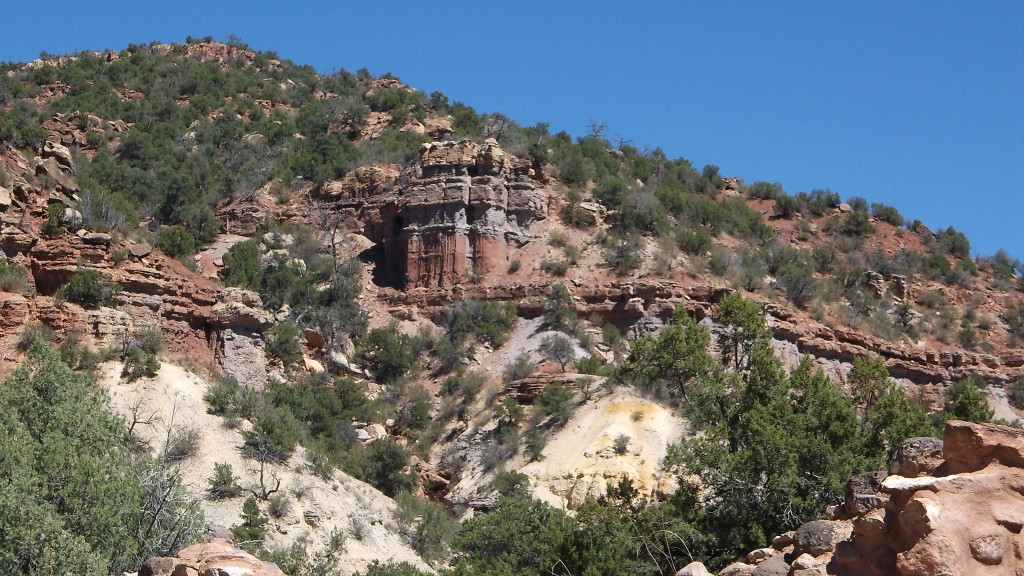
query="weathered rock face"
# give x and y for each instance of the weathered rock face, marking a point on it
(641, 303)
(240, 320)
(917, 457)
(455, 221)
(966, 518)
(214, 558)
(968, 447)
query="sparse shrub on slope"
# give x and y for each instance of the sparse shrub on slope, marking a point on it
(887, 214)
(283, 344)
(966, 400)
(389, 354)
(90, 288)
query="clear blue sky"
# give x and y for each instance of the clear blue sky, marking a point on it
(919, 105)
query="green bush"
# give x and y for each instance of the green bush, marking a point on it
(283, 344)
(220, 396)
(786, 207)
(858, 204)
(176, 241)
(510, 483)
(555, 267)
(388, 353)
(559, 310)
(89, 288)
(487, 320)
(384, 466)
(558, 348)
(249, 535)
(223, 483)
(1015, 394)
(242, 264)
(936, 266)
(953, 242)
(967, 335)
(53, 225)
(521, 367)
(821, 202)
(857, 223)
(139, 363)
(273, 436)
(887, 214)
(694, 241)
(623, 253)
(797, 279)
(966, 400)
(391, 568)
(535, 443)
(20, 128)
(556, 402)
(590, 365)
(765, 190)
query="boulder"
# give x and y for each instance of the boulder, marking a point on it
(916, 457)
(158, 566)
(314, 339)
(920, 517)
(234, 294)
(60, 153)
(5, 198)
(14, 310)
(774, 566)
(760, 555)
(932, 556)
(804, 561)
(51, 168)
(989, 549)
(969, 447)
(645, 326)
(783, 540)
(821, 536)
(236, 315)
(140, 250)
(862, 493)
(737, 569)
(217, 557)
(97, 239)
(312, 365)
(694, 569)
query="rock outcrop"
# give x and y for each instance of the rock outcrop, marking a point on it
(216, 557)
(453, 222)
(960, 517)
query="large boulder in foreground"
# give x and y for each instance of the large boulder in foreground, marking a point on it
(213, 558)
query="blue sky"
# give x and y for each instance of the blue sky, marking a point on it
(919, 105)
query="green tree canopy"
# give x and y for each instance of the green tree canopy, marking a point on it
(72, 500)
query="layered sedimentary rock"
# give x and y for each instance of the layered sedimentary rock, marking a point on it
(646, 302)
(453, 222)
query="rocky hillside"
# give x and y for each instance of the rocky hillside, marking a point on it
(354, 272)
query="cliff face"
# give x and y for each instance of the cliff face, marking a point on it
(450, 224)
